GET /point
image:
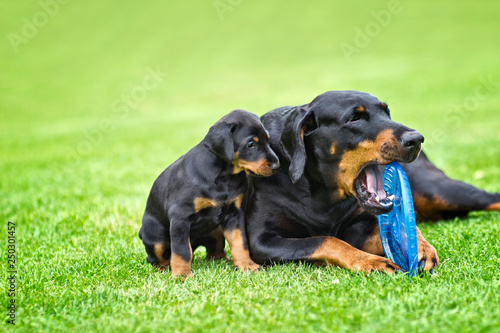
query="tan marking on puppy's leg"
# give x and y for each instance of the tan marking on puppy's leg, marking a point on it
(218, 252)
(241, 256)
(159, 249)
(180, 267)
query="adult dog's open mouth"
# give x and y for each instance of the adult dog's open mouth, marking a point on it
(370, 190)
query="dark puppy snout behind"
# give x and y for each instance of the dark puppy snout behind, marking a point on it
(274, 162)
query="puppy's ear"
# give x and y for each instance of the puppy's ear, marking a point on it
(219, 140)
(299, 124)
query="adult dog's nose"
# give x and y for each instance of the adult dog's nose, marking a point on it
(412, 140)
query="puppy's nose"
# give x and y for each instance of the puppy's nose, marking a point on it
(412, 140)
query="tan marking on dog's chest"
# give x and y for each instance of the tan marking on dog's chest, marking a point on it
(237, 201)
(333, 148)
(201, 203)
(204, 203)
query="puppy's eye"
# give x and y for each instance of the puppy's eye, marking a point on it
(251, 144)
(355, 118)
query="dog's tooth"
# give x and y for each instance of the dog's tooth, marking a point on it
(377, 198)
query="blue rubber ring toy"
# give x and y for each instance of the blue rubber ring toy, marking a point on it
(398, 229)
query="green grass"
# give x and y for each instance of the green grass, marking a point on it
(76, 165)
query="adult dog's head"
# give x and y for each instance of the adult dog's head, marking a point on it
(342, 137)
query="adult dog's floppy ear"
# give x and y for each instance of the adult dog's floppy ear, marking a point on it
(299, 124)
(219, 140)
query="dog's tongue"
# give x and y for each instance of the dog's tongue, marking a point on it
(371, 193)
(375, 182)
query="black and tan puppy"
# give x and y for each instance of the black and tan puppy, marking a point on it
(197, 201)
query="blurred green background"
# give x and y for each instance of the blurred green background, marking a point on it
(98, 97)
(67, 68)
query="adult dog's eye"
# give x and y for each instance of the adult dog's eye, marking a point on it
(251, 144)
(355, 118)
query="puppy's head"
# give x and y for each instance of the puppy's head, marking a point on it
(344, 136)
(239, 138)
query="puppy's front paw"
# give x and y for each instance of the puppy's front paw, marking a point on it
(247, 265)
(181, 274)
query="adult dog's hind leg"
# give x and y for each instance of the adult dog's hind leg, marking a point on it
(438, 197)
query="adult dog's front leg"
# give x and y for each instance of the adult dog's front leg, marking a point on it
(371, 243)
(338, 253)
(329, 249)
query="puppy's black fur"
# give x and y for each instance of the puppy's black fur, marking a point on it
(197, 201)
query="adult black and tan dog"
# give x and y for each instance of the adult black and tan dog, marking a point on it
(197, 200)
(322, 205)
